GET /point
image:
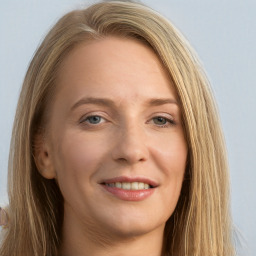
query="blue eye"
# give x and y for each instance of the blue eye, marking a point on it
(93, 119)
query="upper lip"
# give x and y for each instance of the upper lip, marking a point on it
(130, 179)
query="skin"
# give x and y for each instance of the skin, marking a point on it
(127, 139)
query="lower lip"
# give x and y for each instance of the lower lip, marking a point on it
(130, 195)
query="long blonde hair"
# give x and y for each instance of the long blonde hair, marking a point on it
(201, 223)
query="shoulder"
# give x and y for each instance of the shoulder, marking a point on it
(2, 231)
(1, 234)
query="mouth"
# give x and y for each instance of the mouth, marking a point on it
(129, 185)
(129, 188)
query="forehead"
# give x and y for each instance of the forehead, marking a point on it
(114, 64)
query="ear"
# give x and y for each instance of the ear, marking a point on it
(43, 157)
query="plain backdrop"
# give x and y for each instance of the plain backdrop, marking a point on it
(223, 32)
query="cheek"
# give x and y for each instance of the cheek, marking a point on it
(171, 158)
(171, 155)
(77, 159)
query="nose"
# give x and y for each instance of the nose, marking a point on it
(131, 145)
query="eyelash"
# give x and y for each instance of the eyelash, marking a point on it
(168, 122)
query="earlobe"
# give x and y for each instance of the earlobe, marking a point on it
(42, 157)
(48, 174)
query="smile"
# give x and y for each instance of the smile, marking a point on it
(129, 185)
(129, 188)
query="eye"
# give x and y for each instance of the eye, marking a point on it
(162, 121)
(93, 119)
(159, 120)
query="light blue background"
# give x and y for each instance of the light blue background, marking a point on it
(223, 32)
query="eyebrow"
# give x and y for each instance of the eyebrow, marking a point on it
(111, 103)
(95, 101)
(160, 101)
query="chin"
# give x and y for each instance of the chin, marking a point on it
(129, 227)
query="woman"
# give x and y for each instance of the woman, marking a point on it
(117, 147)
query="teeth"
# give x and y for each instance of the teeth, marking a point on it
(135, 185)
(129, 185)
(126, 185)
(118, 184)
(141, 185)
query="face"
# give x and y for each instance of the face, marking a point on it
(116, 144)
